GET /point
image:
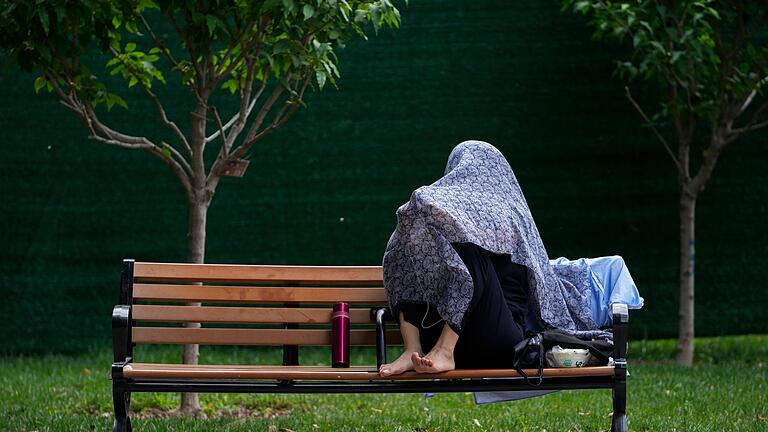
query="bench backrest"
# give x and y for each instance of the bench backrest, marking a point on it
(249, 304)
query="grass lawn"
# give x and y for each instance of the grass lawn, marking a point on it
(727, 390)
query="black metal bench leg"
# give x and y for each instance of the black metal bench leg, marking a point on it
(122, 402)
(620, 314)
(620, 400)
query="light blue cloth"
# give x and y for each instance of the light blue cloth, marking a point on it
(610, 283)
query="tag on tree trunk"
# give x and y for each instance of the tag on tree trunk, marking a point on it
(233, 168)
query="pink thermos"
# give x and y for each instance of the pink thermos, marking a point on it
(340, 335)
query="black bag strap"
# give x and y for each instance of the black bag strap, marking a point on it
(528, 345)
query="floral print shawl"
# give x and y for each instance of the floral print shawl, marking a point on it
(478, 200)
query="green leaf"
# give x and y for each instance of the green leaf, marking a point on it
(117, 70)
(751, 50)
(61, 13)
(230, 85)
(132, 28)
(44, 20)
(146, 4)
(40, 82)
(118, 100)
(582, 6)
(375, 18)
(309, 11)
(637, 39)
(321, 78)
(129, 47)
(211, 22)
(290, 5)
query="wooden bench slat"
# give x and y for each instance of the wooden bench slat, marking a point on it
(242, 294)
(355, 373)
(273, 337)
(231, 273)
(243, 315)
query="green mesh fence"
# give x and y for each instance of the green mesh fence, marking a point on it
(324, 190)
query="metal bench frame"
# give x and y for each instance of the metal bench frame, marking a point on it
(122, 387)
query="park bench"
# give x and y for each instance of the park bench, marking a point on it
(290, 306)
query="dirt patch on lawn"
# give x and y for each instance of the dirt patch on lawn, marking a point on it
(239, 412)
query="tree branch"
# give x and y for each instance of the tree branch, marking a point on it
(180, 158)
(168, 123)
(253, 134)
(93, 135)
(242, 118)
(221, 129)
(176, 168)
(160, 44)
(753, 124)
(232, 64)
(229, 124)
(711, 156)
(280, 118)
(238, 121)
(118, 139)
(100, 132)
(752, 95)
(190, 50)
(654, 129)
(752, 127)
(97, 125)
(263, 113)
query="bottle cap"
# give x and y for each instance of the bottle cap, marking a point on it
(341, 307)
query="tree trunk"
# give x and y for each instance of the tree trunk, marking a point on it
(198, 213)
(199, 199)
(687, 264)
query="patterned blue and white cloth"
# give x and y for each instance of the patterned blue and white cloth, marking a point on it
(479, 200)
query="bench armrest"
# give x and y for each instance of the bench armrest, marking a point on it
(121, 334)
(380, 316)
(620, 313)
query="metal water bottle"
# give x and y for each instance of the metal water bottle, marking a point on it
(340, 335)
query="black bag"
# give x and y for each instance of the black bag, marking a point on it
(600, 349)
(529, 353)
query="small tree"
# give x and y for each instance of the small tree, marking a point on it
(710, 65)
(260, 56)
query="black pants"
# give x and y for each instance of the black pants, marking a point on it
(493, 323)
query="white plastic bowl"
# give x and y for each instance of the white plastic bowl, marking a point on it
(567, 357)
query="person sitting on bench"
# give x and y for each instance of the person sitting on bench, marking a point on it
(466, 272)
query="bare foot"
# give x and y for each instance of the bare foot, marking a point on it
(438, 360)
(402, 364)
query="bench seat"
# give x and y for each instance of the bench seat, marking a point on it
(322, 373)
